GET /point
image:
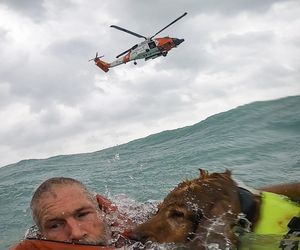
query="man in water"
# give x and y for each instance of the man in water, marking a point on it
(65, 211)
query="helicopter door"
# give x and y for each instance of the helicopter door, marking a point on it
(151, 45)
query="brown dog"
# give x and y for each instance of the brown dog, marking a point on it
(206, 211)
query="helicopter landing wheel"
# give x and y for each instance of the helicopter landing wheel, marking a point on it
(135, 63)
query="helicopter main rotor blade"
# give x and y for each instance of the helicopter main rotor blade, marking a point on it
(128, 31)
(169, 24)
(133, 47)
(123, 53)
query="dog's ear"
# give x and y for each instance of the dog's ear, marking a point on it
(228, 172)
(218, 229)
(203, 173)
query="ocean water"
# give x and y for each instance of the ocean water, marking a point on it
(259, 142)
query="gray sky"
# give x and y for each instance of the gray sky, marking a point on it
(53, 101)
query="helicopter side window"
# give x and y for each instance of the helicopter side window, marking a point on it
(152, 45)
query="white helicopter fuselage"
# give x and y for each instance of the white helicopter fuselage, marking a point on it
(144, 50)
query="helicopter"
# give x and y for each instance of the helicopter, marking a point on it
(150, 48)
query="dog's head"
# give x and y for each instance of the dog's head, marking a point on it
(192, 210)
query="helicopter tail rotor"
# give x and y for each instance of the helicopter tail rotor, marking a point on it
(101, 64)
(96, 57)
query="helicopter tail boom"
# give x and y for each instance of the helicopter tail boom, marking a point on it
(102, 65)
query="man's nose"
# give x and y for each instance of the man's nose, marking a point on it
(76, 231)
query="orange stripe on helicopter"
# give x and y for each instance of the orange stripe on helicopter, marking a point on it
(165, 43)
(102, 65)
(126, 58)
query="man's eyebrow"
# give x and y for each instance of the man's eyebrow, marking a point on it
(78, 210)
(82, 209)
(56, 219)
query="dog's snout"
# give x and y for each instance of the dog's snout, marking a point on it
(138, 236)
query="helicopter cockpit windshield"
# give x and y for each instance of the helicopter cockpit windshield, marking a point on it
(151, 45)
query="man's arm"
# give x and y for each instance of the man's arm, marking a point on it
(291, 190)
(109, 207)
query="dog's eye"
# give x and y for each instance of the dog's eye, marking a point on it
(177, 214)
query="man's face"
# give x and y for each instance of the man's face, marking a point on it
(66, 214)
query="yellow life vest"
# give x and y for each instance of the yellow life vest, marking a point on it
(275, 214)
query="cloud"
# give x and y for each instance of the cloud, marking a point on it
(30, 8)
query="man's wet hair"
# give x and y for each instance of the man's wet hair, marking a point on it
(47, 187)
